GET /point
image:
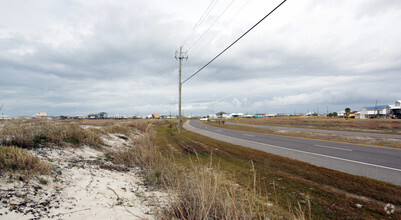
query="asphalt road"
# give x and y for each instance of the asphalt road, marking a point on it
(322, 131)
(374, 162)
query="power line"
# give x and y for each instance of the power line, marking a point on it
(231, 20)
(201, 19)
(242, 7)
(214, 22)
(234, 41)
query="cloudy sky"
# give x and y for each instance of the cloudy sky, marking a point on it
(75, 57)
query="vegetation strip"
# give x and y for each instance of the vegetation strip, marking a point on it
(280, 178)
(350, 139)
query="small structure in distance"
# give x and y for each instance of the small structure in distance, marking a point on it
(41, 115)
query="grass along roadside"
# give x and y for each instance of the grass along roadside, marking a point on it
(198, 190)
(343, 138)
(282, 183)
(386, 126)
(212, 179)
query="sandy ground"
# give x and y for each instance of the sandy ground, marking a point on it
(83, 185)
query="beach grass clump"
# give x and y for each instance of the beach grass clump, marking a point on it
(15, 159)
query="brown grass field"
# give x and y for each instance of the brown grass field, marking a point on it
(385, 126)
(292, 186)
(390, 126)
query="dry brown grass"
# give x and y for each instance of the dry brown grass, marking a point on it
(344, 138)
(34, 133)
(293, 188)
(368, 125)
(117, 129)
(206, 192)
(198, 190)
(15, 159)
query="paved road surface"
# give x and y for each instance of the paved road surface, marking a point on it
(374, 162)
(323, 131)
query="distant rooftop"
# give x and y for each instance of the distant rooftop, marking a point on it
(380, 107)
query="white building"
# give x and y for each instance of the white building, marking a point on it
(395, 110)
(271, 115)
(341, 114)
(40, 115)
(5, 117)
(381, 111)
(235, 115)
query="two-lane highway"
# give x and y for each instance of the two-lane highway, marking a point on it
(374, 162)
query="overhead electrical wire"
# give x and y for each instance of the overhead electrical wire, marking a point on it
(198, 51)
(234, 42)
(239, 10)
(214, 22)
(201, 19)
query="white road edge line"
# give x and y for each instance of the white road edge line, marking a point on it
(249, 135)
(321, 155)
(337, 148)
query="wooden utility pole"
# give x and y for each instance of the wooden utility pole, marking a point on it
(180, 56)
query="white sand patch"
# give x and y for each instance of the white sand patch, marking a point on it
(116, 141)
(90, 126)
(83, 186)
(97, 193)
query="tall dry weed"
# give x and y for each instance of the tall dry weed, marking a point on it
(206, 192)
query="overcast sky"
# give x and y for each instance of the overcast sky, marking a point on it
(74, 57)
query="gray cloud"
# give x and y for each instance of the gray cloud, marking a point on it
(78, 57)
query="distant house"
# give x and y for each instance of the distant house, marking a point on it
(92, 116)
(311, 114)
(381, 111)
(236, 115)
(395, 110)
(101, 115)
(118, 116)
(271, 115)
(40, 115)
(259, 115)
(340, 114)
(5, 117)
(62, 117)
(155, 116)
(221, 114)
